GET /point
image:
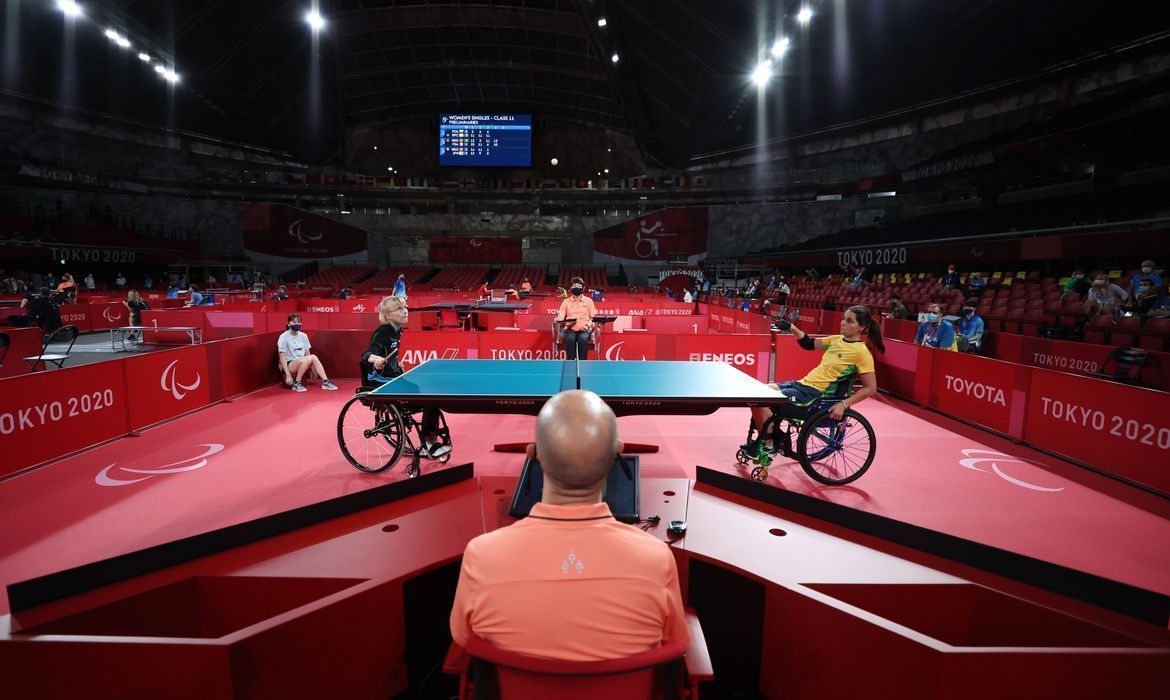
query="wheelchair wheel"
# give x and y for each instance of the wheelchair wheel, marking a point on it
(371, 437)
(760, 473)
(741, 456)
(836, 452)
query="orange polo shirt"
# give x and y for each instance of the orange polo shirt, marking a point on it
(571, 583)
(581, 308)
(526, 287)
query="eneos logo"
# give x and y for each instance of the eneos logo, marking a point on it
(104, 477)
(732, 358)
(170, 382)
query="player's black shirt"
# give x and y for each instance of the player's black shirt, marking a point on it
(384, 343)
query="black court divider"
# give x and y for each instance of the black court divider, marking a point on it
(23, 595)
(1123, 598)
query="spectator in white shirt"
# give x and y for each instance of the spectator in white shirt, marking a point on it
(296, 359)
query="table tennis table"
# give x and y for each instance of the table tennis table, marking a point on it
(522, 386)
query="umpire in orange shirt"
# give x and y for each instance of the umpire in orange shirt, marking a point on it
(579, 309)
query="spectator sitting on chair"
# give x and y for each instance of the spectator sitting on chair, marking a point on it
(196, 297)
(753, 290)
(579, 309)
(570, 582)
(1077, 284)
(935, 331)
(971, 327)
(1147, 274)
(860, 277)
(400, 286)
(898, 310)
(1161, 307)
(148, 283)
(525, 286)
(1147, 296)
(782, 290)
(295, 358)
(344, 293)
(89, 283)
(976, 284)
(771, 283)
(1105, 297)
(120, 281)
(136, 305)
(281, 293)
(950, 278)
(687, 297)
(484, 290)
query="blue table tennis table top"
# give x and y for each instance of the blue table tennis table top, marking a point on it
(522, 386)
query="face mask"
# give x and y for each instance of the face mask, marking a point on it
(1099, 283)
(1144, 289)
(968, 312)
(932, 317)
(1147, 270)
(1080, 276)
(295, 326)
(576, 291)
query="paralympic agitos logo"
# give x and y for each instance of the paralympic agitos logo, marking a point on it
(108, 476)
(296, 230)
(169, 381)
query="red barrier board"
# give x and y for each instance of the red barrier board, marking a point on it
(987, 392)
(514, 345)
(1120, 429)
(243, 364)
(182, 318)
(679, 325)
(351, 321)
(25, 342)
(905, 370)
(792, 361)
(47, 415)
(167, 384)
(105, 316)
(809, 320)
(75, 315)
(636, 346)
(895, 329)
(228, 324)
(749, 354)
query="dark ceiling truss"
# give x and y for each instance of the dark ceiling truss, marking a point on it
(445, 16)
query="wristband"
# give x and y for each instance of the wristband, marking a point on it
(807, 343)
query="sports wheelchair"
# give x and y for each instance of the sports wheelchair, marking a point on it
(831, 451)
(374, 434)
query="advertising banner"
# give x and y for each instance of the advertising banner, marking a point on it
(47, 415)
(75, 315)
(653, 236)
(515, 345)
(105, 316)
(167, 384)
(987, 392)
(281, 231)
(905, 370)
(627, 347)
(680, 325)
(750, 354)
(466, 249)
(1119, 429)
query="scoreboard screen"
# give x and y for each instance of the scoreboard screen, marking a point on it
(473, 140)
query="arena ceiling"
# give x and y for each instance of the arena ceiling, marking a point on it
(255, 72)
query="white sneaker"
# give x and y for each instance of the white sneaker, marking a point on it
(438, 450)
(297, 386)
(328, 385)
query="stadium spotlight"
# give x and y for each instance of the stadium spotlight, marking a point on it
(69, 7)
(315, 20)
(160, 68)
(144, 57)
(171, 76)
(554, 161)
(804, 15)
(601, 22)
(607, 171)
(117, 38)
(780, 47)
(762, 74)
(615, 58)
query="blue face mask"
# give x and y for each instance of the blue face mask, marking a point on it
(295, 326)
(932, 317)
(968, 312)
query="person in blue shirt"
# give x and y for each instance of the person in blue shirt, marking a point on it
(1146, 275)
(935, 331)
(400, 286)
(173, 291)
(971, 327)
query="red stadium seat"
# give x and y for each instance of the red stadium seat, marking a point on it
(1052, 296)
(1155, 334)
(1011, 322)
(1034, 304)
(1051, 309)
(1030, 323)
(1072, 296)
(1097, 330)
(1070, 315)
(1126, 331)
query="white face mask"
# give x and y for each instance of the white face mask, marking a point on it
(1147, 270)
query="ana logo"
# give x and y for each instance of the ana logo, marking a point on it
(614, 352)
(295, 229)
(978, 390)
(359, 308)
(417, 357)
(169, 382)
(973, 460)
(111, 314)
(184, 465)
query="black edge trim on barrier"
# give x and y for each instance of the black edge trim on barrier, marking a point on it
(23, 595)
(1138, 603)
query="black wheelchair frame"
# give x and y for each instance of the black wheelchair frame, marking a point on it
(390, 431)
(830, 451)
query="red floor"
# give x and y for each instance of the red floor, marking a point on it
(276, 450)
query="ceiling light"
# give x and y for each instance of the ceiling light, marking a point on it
(145, 58)
(762, 73)
(315, 20)
(171, 76)
(601, 22)
(375, 148)
(615, 58)
(804, 15)
(607, 171)
(69, 7)
(554, 161)
(780, 47)
(160, 68)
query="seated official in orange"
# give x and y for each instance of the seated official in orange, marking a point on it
(569, 582)
(581, 310)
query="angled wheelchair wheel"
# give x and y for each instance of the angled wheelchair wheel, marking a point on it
(836, 452)
(741, 456)
(371, 437)
(760, 473)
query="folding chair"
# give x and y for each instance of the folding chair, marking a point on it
(58, 336)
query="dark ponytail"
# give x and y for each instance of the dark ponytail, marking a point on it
(872, 328)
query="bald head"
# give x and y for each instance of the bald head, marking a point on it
(576, 440)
